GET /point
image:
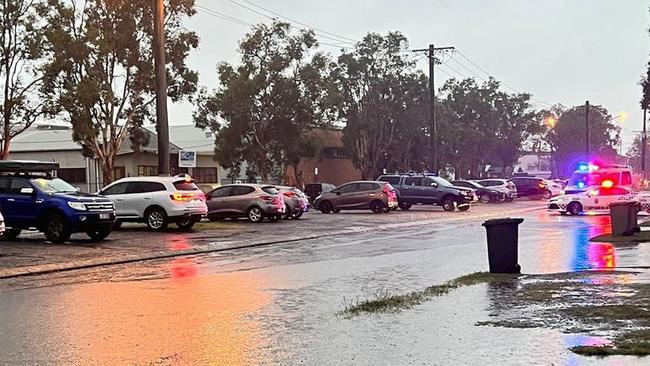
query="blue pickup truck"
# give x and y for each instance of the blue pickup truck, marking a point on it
(32, 198)
(429, 190)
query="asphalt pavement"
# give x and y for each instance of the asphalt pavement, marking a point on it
(278, 304)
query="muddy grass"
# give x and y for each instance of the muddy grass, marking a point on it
(641, 237)
(386, 302)
(594, 303)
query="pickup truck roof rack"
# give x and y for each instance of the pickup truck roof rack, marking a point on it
(27, 166)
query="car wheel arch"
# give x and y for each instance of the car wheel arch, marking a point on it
(153, 207)
(47, 212)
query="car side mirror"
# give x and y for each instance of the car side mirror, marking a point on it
(78, 189)
(27, 191)
(338, 193)
(434, 184)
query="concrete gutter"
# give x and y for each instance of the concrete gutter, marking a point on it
(224, 246)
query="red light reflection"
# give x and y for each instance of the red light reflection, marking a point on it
(183, 268)
(602, 256)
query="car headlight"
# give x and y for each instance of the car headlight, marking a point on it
(77, 205)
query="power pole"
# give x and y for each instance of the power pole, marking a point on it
(644, 141)
(431, 53)
(162, 124)
(587, 130)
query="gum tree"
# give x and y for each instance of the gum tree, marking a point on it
(102, 69)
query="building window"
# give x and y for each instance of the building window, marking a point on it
(72, 175)
(119, 172)
(147, 170)
(205, 175)
(335, 153)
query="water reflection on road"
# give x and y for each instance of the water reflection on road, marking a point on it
(185, 320)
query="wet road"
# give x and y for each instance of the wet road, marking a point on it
(278, 304)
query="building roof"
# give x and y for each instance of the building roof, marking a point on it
(59, 138)
(42, 139)
(189, 137)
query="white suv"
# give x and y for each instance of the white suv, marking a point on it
(157, 201)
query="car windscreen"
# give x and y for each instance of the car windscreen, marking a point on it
(270, 190)
(392, 180)
(54, 185)
(184, 185)
(442, 181)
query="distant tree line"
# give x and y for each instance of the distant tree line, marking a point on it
(90, 63)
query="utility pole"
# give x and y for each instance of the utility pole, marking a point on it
(162, 125)
(644, 141)
(587, 130)
(431, 53)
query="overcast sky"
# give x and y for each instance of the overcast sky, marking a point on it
(564, 51)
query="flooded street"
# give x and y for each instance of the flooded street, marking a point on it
(278, 304)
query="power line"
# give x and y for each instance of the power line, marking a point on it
(223, 16)
(466, 68)
(537, 101)
(338, 40)
(297, 22)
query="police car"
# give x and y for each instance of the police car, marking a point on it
(595, 200)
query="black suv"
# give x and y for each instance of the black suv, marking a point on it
(314, 190)
(428, 189)
(532, 187)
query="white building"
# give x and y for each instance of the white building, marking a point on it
(54, 143)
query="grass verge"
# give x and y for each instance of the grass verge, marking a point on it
(386, 302)
(636, 343)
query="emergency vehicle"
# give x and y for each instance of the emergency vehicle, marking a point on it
(593, 175)
(596, 199)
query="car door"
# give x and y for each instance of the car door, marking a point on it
(21, 203)
(410, 189)
(4, 195)
(241, 199)
(134, 198)
(345, 195)
(362, 195)
(116, 193)
(431, 191)
(217, 199)
(606, 196)
(146, 194)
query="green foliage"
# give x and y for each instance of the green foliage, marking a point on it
(22, 51)
(381, 99)
(102, 70)
(481, 124)
(568, 137)
(265, 106)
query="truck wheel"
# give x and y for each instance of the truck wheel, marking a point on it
(186, 223)
(156, 219)
(448, 204)
(11, 234)
(57, 229)
(98, 235)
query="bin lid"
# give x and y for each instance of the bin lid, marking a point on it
(503, 221)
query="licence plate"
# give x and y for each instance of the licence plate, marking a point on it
(104, 216)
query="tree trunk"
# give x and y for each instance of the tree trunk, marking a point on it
(107, 171)
(300, 181)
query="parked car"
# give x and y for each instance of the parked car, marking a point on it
(32, 198)
(556, 188)
(254, 201)
(504, 184)
(429, 190)
(157, 201)
(313, 190)
(485, 194)
(376, 196)
(532, 187)
(295, 201)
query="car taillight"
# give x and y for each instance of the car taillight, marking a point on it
(266, 198)
(179, 196)
(386, 190)
(290, 194)
(542, 185)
